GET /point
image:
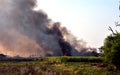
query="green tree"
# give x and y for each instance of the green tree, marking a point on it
(112, 49)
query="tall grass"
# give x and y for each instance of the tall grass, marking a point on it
(61, 59)
(65, 65)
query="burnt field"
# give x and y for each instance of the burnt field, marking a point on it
(64, 65)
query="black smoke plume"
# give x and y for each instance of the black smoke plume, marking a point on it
(26, 32)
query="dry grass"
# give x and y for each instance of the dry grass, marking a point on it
(43, 67)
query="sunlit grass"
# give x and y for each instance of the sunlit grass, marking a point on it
(54, 66)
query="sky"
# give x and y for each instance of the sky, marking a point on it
(86, 19)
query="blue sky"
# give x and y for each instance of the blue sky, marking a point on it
(86, 19)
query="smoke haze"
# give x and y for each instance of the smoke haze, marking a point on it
(26, 32)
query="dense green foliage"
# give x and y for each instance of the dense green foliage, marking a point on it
(112, 49)
(73, 59)
(46, 66)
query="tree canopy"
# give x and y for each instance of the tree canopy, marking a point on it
(112, 49)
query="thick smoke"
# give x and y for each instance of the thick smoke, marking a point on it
(26, 32)
(70, 44)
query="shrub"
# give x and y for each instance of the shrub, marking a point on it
(112, 50)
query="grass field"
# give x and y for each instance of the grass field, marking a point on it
(57, 66)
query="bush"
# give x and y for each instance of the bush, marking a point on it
(112, 50)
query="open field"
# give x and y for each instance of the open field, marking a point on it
(57, 66)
